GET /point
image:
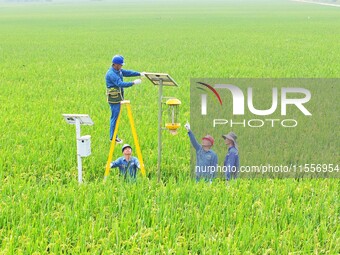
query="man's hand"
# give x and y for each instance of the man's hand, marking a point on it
(187, 126)
(137, 81)
(142, 74)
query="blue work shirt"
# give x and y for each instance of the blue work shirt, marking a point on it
(124, 166)
(206, 161)
(232, 163)
(114, 78)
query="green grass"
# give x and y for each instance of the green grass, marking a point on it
(53, 58)
(247, 216)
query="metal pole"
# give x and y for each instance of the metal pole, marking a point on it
(160, 128)
(80, 174)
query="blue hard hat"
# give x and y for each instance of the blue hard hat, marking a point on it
(118, 59)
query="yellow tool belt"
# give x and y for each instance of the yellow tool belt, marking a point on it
(114, 95)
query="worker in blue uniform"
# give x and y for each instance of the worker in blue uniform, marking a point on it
(206, 158)
(115, 89)
(127, 164)
(232, 160)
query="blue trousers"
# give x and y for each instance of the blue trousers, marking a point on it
(115, 109)
(231, 174)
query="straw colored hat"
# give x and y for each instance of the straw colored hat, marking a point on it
(231, 136)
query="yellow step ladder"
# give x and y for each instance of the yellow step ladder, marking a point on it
(135, 139)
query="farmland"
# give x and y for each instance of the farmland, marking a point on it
(53, 58)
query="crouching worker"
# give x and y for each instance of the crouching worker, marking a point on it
(127, 164)
(206, 159)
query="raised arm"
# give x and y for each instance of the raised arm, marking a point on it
(193, 140)
(129, 73)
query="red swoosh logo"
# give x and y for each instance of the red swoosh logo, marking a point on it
(213, 90)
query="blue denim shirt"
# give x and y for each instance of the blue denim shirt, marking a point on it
(114, 78)
(232, 163)
(122, 164)
(206, 161)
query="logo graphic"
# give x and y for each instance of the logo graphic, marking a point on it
(239, 101)
(285, 126)
(212, 89)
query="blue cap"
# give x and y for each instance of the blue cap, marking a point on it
(118, 59)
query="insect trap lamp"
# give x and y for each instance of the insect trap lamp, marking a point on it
(161, 80)
(172, 123)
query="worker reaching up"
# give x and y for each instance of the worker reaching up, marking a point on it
(115, 89)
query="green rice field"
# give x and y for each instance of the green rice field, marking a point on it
(53, 59)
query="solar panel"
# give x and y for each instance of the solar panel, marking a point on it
(156, 78)
(84, 119)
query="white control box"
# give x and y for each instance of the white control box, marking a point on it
(84, 146)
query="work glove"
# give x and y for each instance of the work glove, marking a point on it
(137, 81)
(187, 126)
(142, 74)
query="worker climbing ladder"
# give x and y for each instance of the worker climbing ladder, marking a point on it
(135, 138)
